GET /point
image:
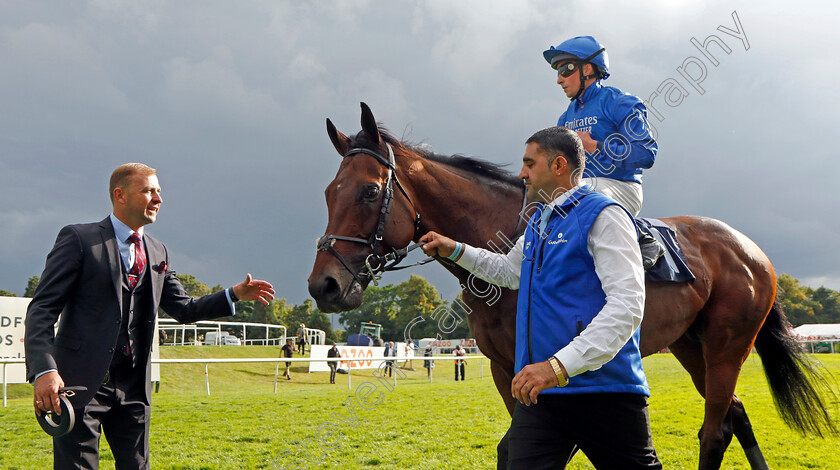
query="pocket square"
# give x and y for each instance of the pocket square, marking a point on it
(161, 268)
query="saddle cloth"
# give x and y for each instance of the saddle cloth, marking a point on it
(671, 267)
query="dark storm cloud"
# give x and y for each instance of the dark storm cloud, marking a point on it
(228, 103)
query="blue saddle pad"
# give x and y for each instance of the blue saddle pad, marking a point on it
(671, 267)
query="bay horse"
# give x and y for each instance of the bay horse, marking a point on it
(710, 325)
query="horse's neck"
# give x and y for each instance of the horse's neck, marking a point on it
(467, 208)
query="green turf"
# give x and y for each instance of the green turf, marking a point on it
(447, 424)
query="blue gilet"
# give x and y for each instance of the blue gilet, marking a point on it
(560, 294)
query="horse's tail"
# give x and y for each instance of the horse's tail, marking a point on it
(792, 377)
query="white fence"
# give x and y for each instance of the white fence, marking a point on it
(810, 345)
(821, 345)
(274, 334)
(5, 362)
(315, 336)
(277, 362)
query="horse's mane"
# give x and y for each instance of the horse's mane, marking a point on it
(476, 166)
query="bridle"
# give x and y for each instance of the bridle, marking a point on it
(375, 264)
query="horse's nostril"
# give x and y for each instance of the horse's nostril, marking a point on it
(326, 288)
(331, 287)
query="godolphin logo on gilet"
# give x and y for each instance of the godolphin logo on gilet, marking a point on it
(560, 239)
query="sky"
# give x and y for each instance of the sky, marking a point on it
(227, 100)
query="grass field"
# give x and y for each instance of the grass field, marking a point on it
(447, 424)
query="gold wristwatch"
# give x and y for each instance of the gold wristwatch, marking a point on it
(560, 371)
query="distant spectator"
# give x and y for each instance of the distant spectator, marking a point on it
(429, 364)
(390, 351)
(288, 351)
(409, 355)
(459, 363)
(333, 352)
(302, 339)
(162, 336)
(377, 342)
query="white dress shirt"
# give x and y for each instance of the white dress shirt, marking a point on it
(614, 248)
(121, 233)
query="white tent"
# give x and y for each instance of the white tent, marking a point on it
(819, 331)
(820, 337)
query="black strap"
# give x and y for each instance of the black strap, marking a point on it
(521, 212)
(326, 239)
(58, 425)
(392, 166)
(584, 78)
(376, 155)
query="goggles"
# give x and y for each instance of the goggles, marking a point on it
(566, 69)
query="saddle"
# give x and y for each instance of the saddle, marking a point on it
(661, 253)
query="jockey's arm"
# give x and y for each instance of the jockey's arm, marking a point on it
(633, 146)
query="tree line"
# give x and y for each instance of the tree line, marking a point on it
(805, 305)
(416, 302)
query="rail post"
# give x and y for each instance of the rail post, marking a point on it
(349, 368)
(431, 368)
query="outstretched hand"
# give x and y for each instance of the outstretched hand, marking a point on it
(254, 289)
(437, 245)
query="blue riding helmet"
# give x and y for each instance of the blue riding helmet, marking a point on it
(584, 49)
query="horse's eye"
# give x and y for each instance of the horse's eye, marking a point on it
(372, 192)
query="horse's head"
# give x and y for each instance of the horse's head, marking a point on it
(371, 217)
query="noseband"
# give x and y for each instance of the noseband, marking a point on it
(375, 264)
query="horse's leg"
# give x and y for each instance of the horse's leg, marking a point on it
(690, 354)
(743, 431)
(727, 340)
(502, 378)
(716, 433)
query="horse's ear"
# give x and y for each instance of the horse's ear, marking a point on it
(339, 140)
(369, 124)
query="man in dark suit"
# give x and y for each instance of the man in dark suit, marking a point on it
(107, 280)
(333, 365)
(390, 352)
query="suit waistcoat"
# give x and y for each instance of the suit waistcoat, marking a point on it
(135, 303)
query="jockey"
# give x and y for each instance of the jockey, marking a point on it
(612, 125)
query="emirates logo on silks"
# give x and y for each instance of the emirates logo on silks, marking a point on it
(560, 239)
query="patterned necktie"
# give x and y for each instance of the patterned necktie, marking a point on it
(139, 260)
